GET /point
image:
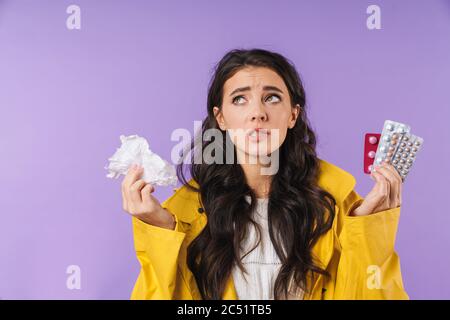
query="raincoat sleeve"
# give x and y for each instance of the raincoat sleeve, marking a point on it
(158, 250)
(369, 267)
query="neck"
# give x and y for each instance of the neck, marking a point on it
(259, 183)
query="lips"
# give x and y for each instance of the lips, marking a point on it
(258, 134)
(259, 130)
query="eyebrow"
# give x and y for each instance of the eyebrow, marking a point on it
(265, 88)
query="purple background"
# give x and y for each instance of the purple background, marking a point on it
(141, 67)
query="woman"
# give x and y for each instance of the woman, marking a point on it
(234, 231)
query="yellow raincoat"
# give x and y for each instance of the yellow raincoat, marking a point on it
(358, 252)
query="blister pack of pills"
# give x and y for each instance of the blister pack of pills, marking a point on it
(396, 145)
(371, 141)
(405, 154)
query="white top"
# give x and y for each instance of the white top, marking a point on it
(262, 264)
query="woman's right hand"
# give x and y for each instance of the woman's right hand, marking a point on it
(140, 203)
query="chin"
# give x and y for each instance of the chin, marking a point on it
(253, 151)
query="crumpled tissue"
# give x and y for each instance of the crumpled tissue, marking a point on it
(135, 150)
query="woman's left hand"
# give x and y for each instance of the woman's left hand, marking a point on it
(386, 194)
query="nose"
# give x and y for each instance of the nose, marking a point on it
(258, 113)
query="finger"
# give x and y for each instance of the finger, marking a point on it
(393, 184)
(133, 174)
(124, 192)
(399, 184)
(135, 191)
(124, 201)
(381, 189)
(387, 173)
(125, 181)
(387, 187)
(145, 193)
(394, 171)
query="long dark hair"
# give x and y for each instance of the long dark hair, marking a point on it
(297, 209)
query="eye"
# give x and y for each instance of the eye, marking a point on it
(238, 100)
(270, 98)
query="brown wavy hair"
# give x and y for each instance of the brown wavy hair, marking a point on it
(297, 206)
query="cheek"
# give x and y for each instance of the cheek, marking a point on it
(234, 119)
(278, 137)
(280, 121)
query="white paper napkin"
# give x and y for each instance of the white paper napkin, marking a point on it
(135, 150)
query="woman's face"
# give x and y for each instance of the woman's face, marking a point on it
(256, 97)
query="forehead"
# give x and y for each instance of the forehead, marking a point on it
(254, 77)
